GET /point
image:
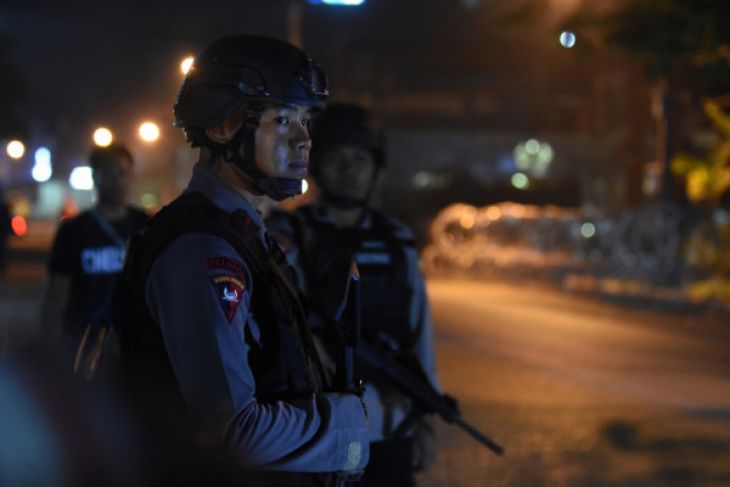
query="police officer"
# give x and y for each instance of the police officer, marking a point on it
(88, 251)
(212, 317)
(347, 156)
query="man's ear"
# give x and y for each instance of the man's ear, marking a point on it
(224, 131)
(218, 133)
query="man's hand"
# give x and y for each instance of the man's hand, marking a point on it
(424, 444)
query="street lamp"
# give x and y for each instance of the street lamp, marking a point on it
(81, 178)
(103, 137)
(149, 131)
(346, 3)
(42, 170)
(15, 149)
(186, 64)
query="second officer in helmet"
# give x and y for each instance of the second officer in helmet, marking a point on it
(212, 320)
(347, 156)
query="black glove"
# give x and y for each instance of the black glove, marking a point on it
(452, 410)
(425, 446)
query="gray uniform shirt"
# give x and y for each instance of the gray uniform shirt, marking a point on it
(203, 310)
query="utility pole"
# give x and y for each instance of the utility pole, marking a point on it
(294, 13)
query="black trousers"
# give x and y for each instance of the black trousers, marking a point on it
(390, 465)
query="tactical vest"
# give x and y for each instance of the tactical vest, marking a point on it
(380, 254)
(283, 361)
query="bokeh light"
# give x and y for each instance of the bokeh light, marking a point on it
(520, 180)
(149, 131)
(19, 225)
(186, 64)
(494, 213)
(81, 178)
(42, 169)
(532, 147)
(567, 39)
(15, 149)
(467, 220)
(588, 230)
(103, 137)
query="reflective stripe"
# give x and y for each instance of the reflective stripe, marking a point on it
(372, 258)
(354, 456)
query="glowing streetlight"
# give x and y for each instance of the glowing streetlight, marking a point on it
(15, 149)
(149, 131)
(186, 64)
(42, 169)
(103, 137)
(81, 178)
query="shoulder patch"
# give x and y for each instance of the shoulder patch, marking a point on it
(230, 286)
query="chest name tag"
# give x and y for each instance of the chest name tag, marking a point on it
(102, 260)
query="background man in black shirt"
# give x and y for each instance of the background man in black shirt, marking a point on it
(88, 250)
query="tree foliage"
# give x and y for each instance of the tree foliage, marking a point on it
(708, 178)
(663, 32)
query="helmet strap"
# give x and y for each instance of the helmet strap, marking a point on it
(276, 188)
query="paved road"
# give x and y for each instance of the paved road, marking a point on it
(581, 393)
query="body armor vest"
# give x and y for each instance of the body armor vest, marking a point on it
(380, 255)
(283, 362)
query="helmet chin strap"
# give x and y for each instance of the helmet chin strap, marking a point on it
(276, 188)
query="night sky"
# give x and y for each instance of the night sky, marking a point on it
(116, 63)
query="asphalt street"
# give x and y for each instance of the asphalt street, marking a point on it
(580, 392)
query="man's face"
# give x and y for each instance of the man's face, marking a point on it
(346, 171)
(113, 181)
(282, 141)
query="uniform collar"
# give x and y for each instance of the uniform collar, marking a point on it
(208, 183)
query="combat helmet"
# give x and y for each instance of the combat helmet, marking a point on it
(344, 124)
(347, 124)
(250, 70)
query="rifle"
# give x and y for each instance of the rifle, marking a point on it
(341, 310)
(412, 382)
